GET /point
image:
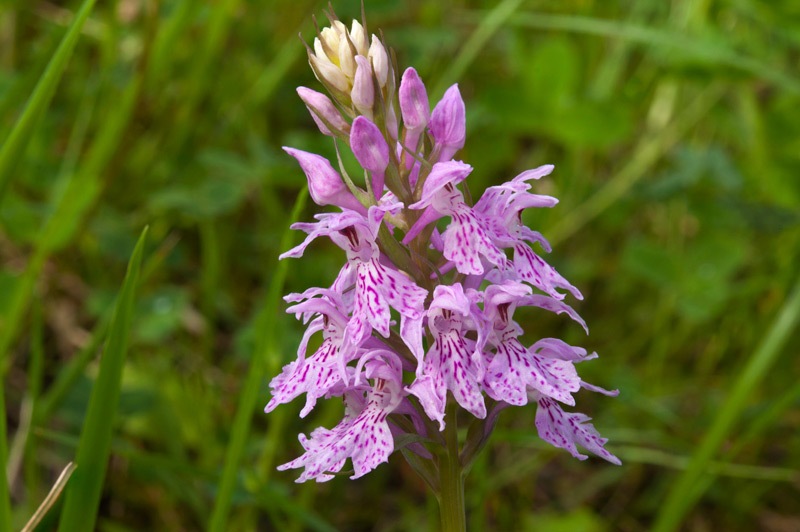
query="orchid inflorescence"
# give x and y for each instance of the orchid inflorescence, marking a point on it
(425, 303)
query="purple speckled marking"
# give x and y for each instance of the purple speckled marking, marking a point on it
(448, 366)
(363, 435)
(562, 429)
(532, 268)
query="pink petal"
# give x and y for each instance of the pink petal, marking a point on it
(564, 430)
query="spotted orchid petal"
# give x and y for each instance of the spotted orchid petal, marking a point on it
(532, 268)
(449, 364)
(314, 376)
(553, 305)
(564, 430)
(466, 239)
(377, 289)
(514, 370)
(364, 437)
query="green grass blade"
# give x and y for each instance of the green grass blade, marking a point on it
(165, 41)
(649, 151)
(682, 495)
(5, 501)
(83, 494)
(722, 468)
(268, 82)
(21, 444)
(766, 420)
(80, 194)
(690, 45)
(210, 277)
(487, 27)
(265, 325)
(35, 382)
(219, 25)
(70, 373)
(14, 147)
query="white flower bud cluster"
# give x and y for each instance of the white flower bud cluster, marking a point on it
(334, 62)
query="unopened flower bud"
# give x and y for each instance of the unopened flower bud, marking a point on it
(347, 61)
(332, 36)
(321, 52)
(324, 183)
(363, 93)
(329, 73)
(448, 123)
(371, 151)
(380, 60)
(359, 38)
(414, 105)
(334, 57)
(368, 145)
(323, 111)
(416, 113)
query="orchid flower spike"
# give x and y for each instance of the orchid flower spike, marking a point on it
(417, 332)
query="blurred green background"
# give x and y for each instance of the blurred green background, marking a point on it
(674, 127)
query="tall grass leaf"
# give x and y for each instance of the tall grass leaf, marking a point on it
(81, 192)
(755, 429)
(268, 82)
(220, 19)
(35, 383)
(5, 501)
(22, 444)
(164, 44)
(83, 493)
(691, 46)
(722, 468)
(210, 276)
(487, 27)
(682, 494)
(647, 154)
(265, 325)
(70, 373)
(14, 146)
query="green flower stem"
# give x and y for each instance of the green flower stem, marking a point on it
(396, 252)
(451, 478)
(397, 184)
